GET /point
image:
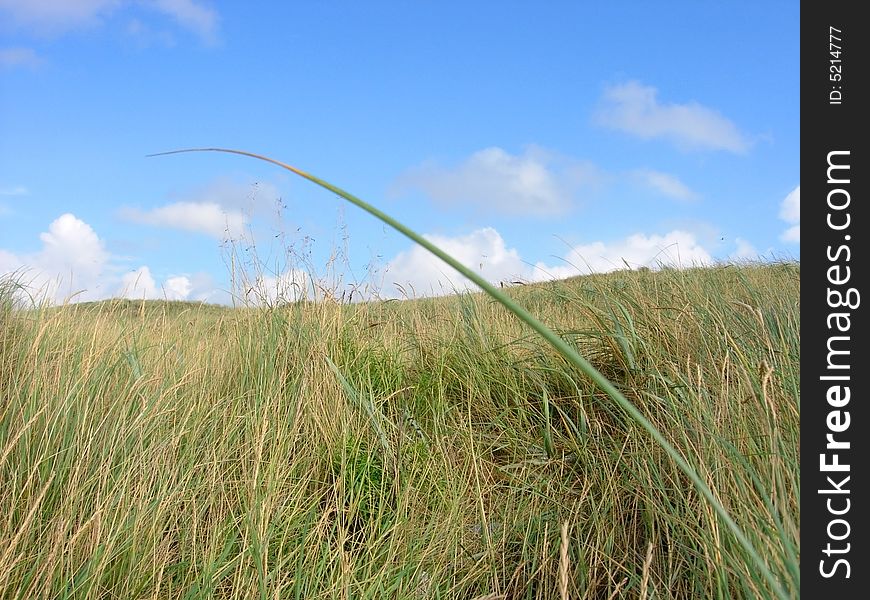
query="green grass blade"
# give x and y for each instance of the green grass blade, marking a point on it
(368, 407)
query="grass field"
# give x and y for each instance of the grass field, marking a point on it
(433, 448)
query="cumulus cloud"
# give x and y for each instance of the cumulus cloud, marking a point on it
(634, 108)
(676, 249)
(416, 272)
(792, 234)
(54, 17)
(9, 263)
(664, 184)
(532, 183)
(790, 212)
(743, 251)
(73, 245)
(177, 288)
(140, 284)
(221, 209)
(73, 264)
(202, 217)
(191, 15)
(11, 58)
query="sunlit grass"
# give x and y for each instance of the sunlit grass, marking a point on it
(419, 449)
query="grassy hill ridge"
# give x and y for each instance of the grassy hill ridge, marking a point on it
(420, 449)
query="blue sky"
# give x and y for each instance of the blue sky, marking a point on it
(533, 140)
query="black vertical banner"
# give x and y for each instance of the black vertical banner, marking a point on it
(835, 347)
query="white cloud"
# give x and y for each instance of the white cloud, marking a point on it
(743, 251)
(138, 284)
(72, 244)
(202, 217)
(57, 16)
(73, 264)
(9, 263)
(54, 17)
(634, 108)
(790, 209)
(792, 234)
(220, 209)
(676, 248)
(146, 36)
(664, 184)
(416, 272)
(790, 212)
(17, 190)
(533, 183)
(191, 15)
(419, 273)
(11, 58)
(177, 288)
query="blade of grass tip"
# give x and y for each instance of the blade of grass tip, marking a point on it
(369, 407)
(557, 342)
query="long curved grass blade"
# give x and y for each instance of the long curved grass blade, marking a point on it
(557, 342)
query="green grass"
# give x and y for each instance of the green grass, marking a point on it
(420, 449)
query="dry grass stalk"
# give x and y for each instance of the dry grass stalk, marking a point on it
(563, 563)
